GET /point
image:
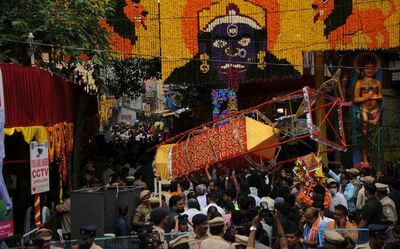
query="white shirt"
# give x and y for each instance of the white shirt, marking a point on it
(267, 228)
(190, 213)
(258, 200)
(202, 199)
(269, 201)
(259, 245)
(337, 199)
(106, 175)
(327, 220)
(220, 210)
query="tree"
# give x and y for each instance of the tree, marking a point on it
(71, 27)
(69, 31)
(125, 77)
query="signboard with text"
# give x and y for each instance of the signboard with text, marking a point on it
(40, 180)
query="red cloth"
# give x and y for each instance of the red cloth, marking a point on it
(33, 97)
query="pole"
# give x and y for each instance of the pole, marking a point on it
(155, 184)
(159, 195)
(38, 222)
(31, 48)
(319, 79)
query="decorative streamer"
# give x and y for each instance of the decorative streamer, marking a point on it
(38, 222)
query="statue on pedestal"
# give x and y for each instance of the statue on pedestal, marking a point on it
(368, 94)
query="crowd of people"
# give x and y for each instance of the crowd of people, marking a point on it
(142, 132)
(247, 208)
(251, 209)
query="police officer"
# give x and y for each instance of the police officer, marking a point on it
(389, 212)
(333, 238)
(182, 242)
(217, 230)
(154, 203)
(378, 234)
(199, 233)
(240, 242)
(46, 235)
(159, 218)
(360, 196)
(35, 243)
(88, 234)
(139, 218)
(353, 173)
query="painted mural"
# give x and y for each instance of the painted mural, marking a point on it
(232, 41)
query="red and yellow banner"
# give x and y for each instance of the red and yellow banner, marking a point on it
(236, 137)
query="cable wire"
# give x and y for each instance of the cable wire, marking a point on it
(173, 57)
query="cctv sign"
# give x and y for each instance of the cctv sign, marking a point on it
(40, 180)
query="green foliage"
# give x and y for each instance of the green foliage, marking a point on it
(68, 25)
(125, 77)
(63, 23)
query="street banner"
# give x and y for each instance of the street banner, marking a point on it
(6, 221)
(40, 180)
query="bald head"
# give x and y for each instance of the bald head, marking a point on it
(310, 215)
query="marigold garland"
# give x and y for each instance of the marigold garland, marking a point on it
(292, 27)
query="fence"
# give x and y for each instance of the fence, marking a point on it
(359, 236)
(129, 242)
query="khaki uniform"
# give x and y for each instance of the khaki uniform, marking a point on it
(215, 242)
(363, 246)
(357, 184)
(65, 209)
(389, 212)
(194, 241)
(147, 218)
(94, 246)
(140, 183)
(161, 233)
(141, 212)
(360, 199)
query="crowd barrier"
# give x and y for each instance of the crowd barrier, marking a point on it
(128, 242)
(359, 236)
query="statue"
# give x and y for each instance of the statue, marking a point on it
(368, 94)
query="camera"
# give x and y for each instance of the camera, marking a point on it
(265, 213)
(149, 238)
(264, 209)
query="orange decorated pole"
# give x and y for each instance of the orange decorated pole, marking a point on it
(38, 222)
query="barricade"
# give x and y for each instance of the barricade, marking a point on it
(170, 236)
(128, 242)
(359, 236)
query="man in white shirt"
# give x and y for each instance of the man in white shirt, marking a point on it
(212, 199)
(201, 195)
(193, 209)
(337, 197)
(253, 193)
